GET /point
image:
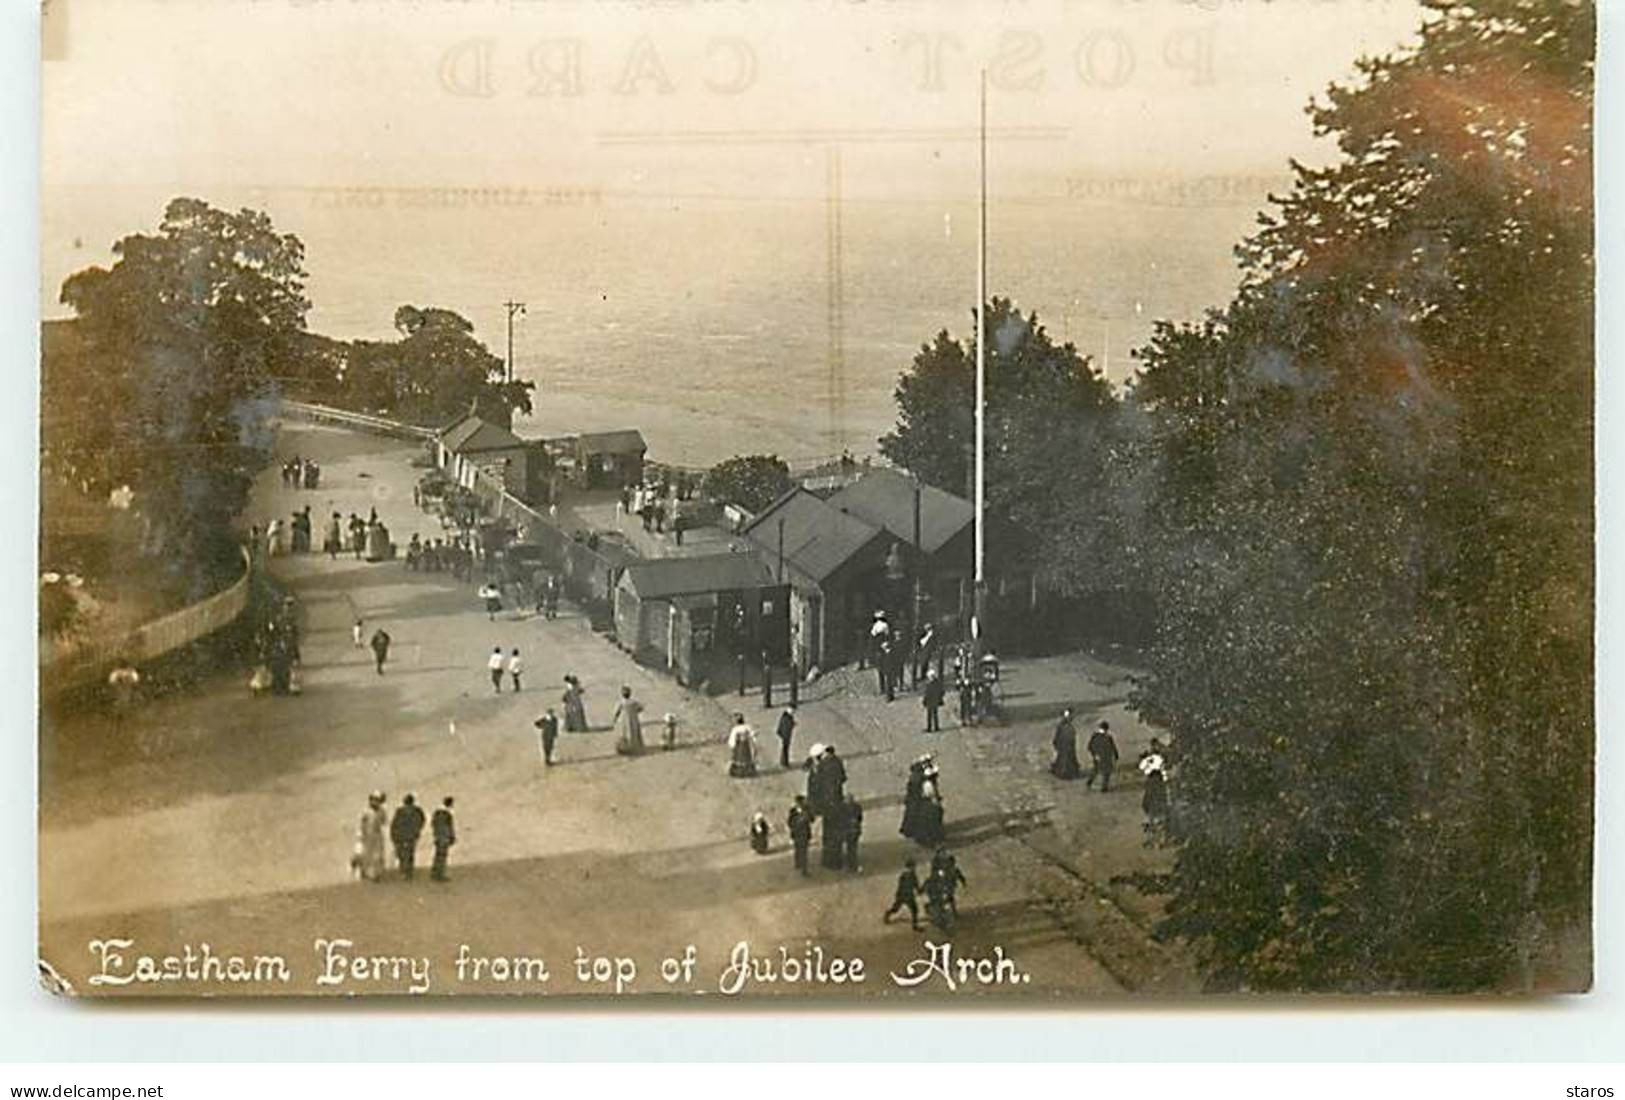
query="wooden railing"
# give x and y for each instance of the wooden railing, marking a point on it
(326, 414)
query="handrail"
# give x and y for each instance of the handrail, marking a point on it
(379, 424)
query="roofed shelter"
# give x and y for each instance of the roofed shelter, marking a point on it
(610, 460)
(683, 611)
(471, 444)
(833, 562)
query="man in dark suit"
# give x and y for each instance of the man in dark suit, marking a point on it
(404, 829)
(786, 730)
(444, 828)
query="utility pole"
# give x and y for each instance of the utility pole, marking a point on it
(513, 308)
(979, 591)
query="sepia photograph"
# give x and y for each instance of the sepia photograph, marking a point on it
(903, 503)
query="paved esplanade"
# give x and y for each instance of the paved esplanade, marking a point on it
(215, 816)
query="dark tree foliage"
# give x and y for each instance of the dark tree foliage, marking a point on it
(1051, 431)
(750, 481)
(436, 371)
(1368, 516)
(177, 347)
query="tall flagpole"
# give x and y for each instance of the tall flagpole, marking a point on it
(979, 594)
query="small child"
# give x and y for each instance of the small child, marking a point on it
(355, 634)
(669, 738)
(759, 832)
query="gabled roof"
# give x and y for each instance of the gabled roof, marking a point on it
(886, 498)
(818, 539)
(623, 441)
(664, 578)
(473, 434)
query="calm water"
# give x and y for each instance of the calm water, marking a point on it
(705, 322)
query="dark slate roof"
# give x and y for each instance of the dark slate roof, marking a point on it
(473, 434)
(624, 441)
(664, 578)
(818, 539)
(885, 498)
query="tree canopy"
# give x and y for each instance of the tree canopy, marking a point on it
(435, 371)
(750, 481)
(175, 354)
(1051, 419)
(1368, 507)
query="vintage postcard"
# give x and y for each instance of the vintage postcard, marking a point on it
(912, 501)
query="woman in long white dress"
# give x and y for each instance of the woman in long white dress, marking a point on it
(628, 724)
(370, 839)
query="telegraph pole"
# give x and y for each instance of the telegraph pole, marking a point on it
(513, 308)
(979, 592)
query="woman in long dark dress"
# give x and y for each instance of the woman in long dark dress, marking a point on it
(575, 711)
(913, 825)
(1066, 764)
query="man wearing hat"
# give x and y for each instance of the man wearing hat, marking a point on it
(786, 730)
(800, 825)
(879, 631)
(831, 774)
(404, 829)
(1103, 754)
(444, 828)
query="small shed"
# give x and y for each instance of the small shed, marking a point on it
(676, 612)
(610, 460)
(472, 444)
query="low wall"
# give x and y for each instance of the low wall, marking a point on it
(87, 663)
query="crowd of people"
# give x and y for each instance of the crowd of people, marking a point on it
(301, 473)
(368, 861)
(824, 810)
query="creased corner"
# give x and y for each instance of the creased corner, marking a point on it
(54, 983)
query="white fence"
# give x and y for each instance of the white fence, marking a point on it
(326, 414)
(81, 664)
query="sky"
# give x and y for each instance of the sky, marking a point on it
(685, 96)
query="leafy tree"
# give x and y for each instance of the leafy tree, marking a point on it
(750, 481)
(1051, 425)
(179, 340)
(434, 372)
(1368, 511)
